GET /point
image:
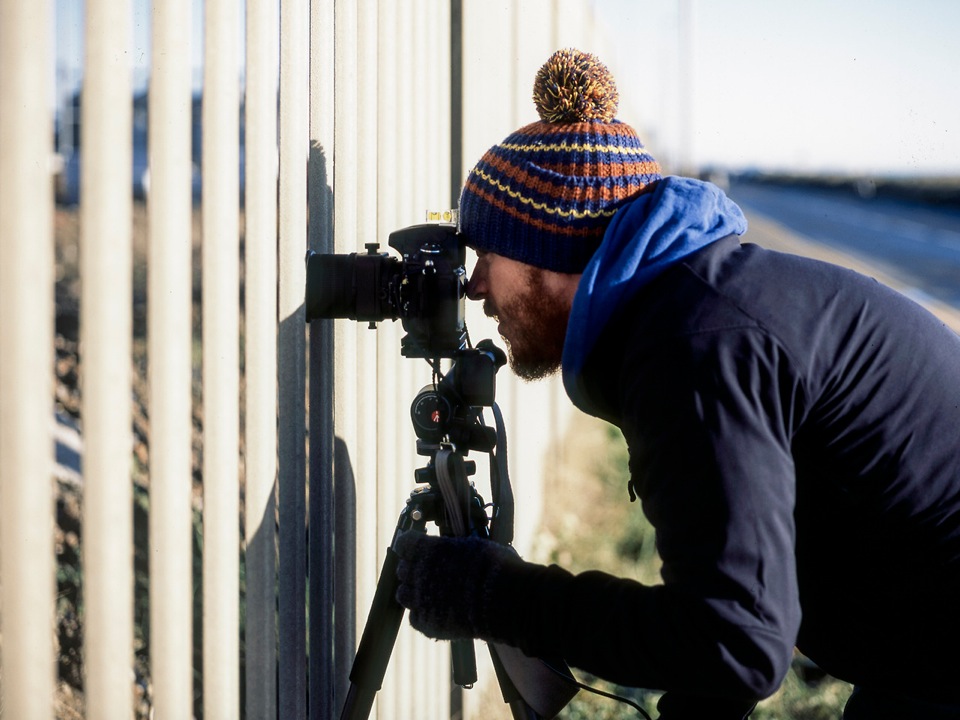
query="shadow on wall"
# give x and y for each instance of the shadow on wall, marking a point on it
(345, 568)
(333, 501)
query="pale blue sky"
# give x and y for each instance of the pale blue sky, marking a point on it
(852, 85)
(836, 85)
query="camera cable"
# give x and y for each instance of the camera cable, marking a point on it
(568, 676)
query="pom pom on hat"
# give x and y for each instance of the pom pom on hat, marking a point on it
(545, 195)
(575, 87)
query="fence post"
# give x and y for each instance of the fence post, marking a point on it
(221, 362)
(294, 137)
(324, 670)
(393, 427)
(260, 353)
(26, 362)
(169, 346)
(345, 342)
(106, 332)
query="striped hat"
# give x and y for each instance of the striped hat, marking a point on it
(545, 195)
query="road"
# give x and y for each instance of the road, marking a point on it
(914, 243)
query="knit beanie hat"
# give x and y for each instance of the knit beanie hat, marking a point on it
(545, 195)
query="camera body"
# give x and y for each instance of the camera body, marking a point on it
(425, 289)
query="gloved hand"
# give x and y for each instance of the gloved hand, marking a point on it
(448, 584)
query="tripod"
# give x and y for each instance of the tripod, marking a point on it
(447, 418)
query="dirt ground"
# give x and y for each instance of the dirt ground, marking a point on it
(68, 392)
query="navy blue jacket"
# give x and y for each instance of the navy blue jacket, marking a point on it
(793, 431)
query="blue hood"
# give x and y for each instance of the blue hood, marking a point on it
(644, 238)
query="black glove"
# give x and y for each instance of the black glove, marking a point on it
(449, 583)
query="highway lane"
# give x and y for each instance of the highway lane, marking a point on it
(918, 244)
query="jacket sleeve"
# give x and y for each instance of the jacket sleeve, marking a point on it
(708, 423)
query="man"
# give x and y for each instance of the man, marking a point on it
(792, 429)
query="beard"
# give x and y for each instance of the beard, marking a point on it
(535, 329)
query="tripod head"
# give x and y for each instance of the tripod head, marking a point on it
(447, 417)
(451, 407)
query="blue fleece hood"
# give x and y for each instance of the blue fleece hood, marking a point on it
(644, 238)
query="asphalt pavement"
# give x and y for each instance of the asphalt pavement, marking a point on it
(911, 247)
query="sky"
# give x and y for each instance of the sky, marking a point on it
(850, 86)
(69, 29)
(856, 86)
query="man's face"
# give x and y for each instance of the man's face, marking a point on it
(531, 306)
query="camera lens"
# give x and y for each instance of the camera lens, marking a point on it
(425, 288)
(329, 280)
(350, 286)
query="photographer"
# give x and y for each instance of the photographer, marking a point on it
(792, 429)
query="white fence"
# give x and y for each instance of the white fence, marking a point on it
(382, 108)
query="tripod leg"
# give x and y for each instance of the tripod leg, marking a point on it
(464, 662)
(376, 643)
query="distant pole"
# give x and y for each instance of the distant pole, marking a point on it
(685, 86)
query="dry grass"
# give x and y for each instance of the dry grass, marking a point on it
(589, 523)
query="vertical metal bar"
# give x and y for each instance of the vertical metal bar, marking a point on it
(404, 667)
(368, 441)
(294, 136)
(26, 361)
(169, 358)
(260, 348)
(106, 331)
(323, 667)
(418, 177)
(404, 108)
(394, 481)
(409, 376)
(443, 187)
(431, 122)
(221, 362)
(456, 101)
(345, 342)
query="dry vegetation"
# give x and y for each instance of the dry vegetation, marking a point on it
(591, 524)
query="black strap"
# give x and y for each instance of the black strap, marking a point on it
(501, 525)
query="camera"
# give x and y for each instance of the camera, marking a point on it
(425, 288)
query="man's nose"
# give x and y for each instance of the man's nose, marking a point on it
(476, 286)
